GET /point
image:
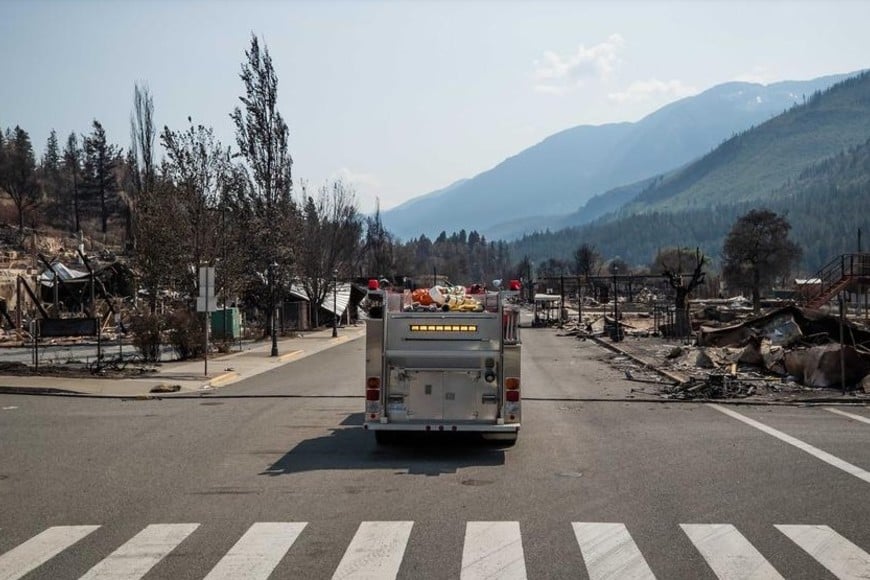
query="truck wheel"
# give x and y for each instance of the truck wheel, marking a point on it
(501, 439)
(385, 437)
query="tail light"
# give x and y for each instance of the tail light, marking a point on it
(373, 389)
(373, 398)
(512, 389)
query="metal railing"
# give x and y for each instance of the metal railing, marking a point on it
(837, 273)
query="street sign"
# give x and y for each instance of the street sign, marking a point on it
(206, 303)
(206, 300)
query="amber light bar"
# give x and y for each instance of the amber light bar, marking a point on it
(443, 328)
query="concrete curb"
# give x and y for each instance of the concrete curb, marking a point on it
(289, 356)
(223, 379)
(677, 379)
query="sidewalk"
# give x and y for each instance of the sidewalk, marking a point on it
(188, 376)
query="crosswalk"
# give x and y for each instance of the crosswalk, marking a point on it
(491, 550)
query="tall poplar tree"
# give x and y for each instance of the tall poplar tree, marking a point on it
(72, 163)
(140, 157)
(263, 137)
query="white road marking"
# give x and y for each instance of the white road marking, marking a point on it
(610, 553)
(257, 552)
(10, 408)
(849, 415)
(493, 550)
(729, 553)
(806, 447)
(841, 557)
(135, 558)
(376, 551)
(40, 549)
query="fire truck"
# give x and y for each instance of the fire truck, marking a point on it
(442, 370)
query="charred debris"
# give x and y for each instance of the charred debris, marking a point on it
(786, 352)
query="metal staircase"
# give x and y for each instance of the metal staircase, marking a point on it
(838, 275)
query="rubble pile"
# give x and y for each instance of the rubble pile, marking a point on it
(788, 351)
(801, 345)
(717, 385)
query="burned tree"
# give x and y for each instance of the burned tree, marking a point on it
(682, 289)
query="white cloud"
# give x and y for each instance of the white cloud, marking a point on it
(640, 91)
(557, 75)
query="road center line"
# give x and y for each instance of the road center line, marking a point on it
(849, 415)
(805, 447)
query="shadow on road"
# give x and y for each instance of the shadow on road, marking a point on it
(414, 453)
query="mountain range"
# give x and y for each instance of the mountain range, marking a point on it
(810, 164)
(582, 173)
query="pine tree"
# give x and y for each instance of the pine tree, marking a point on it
(50, 177)
(18, 173)
(101, 183)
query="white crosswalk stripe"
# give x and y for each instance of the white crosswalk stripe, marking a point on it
(841, 557)
(376, 551)
(40, 549)
(133, 560)
(610, 553)
(257, 553)
(729, 553)
(491, 550)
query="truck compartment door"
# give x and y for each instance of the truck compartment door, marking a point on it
(425, 395)
(464, 397)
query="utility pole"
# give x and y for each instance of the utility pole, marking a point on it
(272, 309)
(334, 303)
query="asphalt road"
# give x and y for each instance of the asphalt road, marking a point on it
(615, 489)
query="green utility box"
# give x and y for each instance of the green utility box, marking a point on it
(226, 324)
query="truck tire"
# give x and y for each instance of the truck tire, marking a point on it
(385, 437)
(501, 439)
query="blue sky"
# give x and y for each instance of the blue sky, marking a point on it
(400, 98)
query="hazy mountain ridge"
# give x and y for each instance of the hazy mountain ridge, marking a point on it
(749, 166)
(812, 164)
(566, 170)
